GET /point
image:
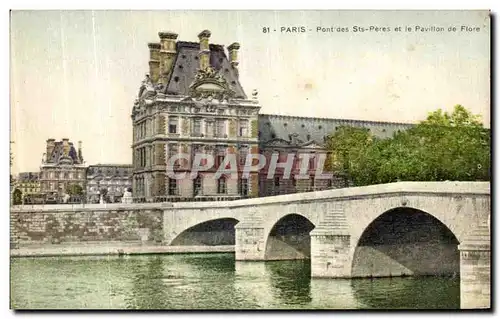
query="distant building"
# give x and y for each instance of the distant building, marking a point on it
(28, 183)
(114, 178)
(62, 166)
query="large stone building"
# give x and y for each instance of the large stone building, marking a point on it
(62, 166)
(192, 102)
(114, 178)
(28, 183)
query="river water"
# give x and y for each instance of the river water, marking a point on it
(210, 281)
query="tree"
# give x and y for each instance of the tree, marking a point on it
(75, 190)
(17, 197)
(346, 146)
(445, 146)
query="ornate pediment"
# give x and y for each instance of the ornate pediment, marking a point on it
(210, 84)
(277, 142)
(294, 139)
(312, 145)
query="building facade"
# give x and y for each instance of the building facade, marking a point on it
(62, 167)
(306, 135)
(28, 183)
(192, 102)
(110, 180)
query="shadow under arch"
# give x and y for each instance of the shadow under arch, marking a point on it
(289, 238)
(216, 232)
(406, 241)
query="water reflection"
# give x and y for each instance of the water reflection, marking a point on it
(210, 282)
(291, 281)
(408, 292)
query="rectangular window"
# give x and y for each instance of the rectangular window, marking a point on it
(173, 122)
(209, 128)
(243, 187)
(172, 186)
(197, 186)
(221, 185)
(276, 181)
(220, 128)
(243, 154)
(220, 153)
(196, 127)
(312, 162)
(173, 150)
(243, 128)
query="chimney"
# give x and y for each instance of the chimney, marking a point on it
(233, 56)
(167, 54)
(80, 155)
(204, 49)
(65, 146)
(51, 143)
(154, 61)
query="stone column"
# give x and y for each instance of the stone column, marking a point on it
(331, 247)
(250, 238)
(475, 275)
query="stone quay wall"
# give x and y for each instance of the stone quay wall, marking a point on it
(91, 224)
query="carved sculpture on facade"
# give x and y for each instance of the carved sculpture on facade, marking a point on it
(210, 84)
(146, 89)
(232, 128)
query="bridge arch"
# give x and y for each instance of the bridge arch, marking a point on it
(406, 241)
(288, 238)
(213, 232)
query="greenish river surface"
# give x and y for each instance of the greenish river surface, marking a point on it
(210, 281)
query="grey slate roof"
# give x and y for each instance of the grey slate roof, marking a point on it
(109, 170)
(187, 63)
(281, 127)
(58, 151)
(28, 177)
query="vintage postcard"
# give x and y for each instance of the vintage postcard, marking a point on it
(250, 160)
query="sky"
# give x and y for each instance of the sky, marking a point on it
(75, 74)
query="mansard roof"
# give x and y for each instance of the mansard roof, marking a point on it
(58, 154)
(305, 129)
(187, 63)
(28, 177)
(110, 170)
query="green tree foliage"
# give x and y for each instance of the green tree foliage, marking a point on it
(75, 189)
(445, 146)
(17, 197)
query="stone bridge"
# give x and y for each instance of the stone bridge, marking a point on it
(397, 229)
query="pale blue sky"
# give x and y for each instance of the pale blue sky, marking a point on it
(76, 74)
